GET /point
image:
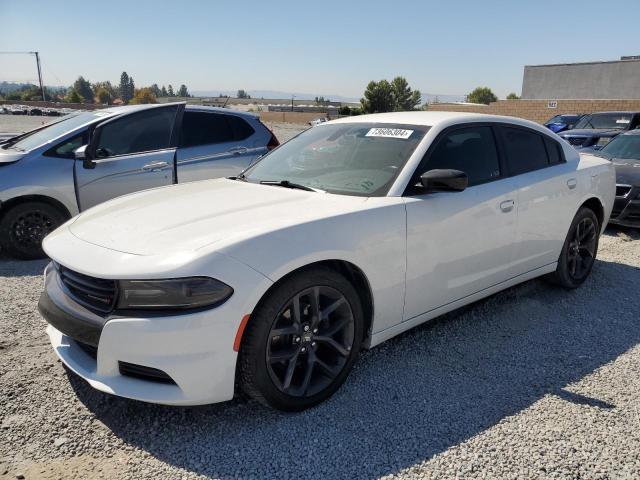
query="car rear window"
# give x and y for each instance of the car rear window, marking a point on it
(205, 128)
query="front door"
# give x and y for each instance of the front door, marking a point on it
(132, 152)
(460, 243)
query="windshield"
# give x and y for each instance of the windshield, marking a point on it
(617, 121)
(623, 146)
(346, 158)
(53, 131)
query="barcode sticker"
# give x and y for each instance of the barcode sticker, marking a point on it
(389, 133)
(623, 120)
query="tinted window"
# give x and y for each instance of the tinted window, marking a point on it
(471, 150)
(202, 128)
(623, 146)
(138, 132)
(525, 150)
(554, 150)
(240, 128)
(617, 121)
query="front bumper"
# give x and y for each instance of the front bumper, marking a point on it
(626, 209)
(194, 349)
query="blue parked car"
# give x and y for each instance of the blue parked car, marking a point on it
(594, 131)
(560, 123)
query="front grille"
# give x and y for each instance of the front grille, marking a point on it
(622, 190)
(96, 294)
(576, 141)
(144, 373)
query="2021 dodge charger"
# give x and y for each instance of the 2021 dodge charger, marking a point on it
(347, 235)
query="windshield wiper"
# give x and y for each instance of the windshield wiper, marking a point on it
(240, 177)
(288, 184)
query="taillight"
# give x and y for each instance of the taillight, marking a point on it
(273, 142)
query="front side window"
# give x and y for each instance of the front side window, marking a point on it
(136, 133)
(471, 150)
(609, 121)
(346, 158)
(525, 150)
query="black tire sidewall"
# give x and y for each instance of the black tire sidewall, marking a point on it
(7, 222)
(563, 276)
(255, 378)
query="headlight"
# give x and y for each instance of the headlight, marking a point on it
(172, 294)
(603, 141)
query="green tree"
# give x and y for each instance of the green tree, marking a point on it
(163, 92)
(170, 91)
(123, 88)
(73, 96)
(513, 96)
(83, 87)
(182, 91)
(132, 87)
(405, 98)
(155, 90)
(103, 95)
(242, 94)
(378, 97)
(482, 95)
(143, 95)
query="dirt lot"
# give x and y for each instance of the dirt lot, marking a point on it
(534, 382)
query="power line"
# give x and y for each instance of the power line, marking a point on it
(37, 66)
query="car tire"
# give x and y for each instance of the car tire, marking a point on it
(579, 250)
(24, 226)
(287, 366)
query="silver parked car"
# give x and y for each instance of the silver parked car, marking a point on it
(52, 173)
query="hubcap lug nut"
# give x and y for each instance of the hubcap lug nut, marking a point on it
(315, 330)
(306, 328)
(303, 349)
(313, 344)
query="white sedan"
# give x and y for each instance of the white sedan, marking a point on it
(353, 232)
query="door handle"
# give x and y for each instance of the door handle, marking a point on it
(238, 150)
(507, 205)
(571, 183)
(155, 166)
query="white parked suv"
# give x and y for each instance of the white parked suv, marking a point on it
(50, 174)
(352, 232)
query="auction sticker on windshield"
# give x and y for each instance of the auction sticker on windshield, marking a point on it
(389, 133)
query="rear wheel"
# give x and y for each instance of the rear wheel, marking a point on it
(579, 251)
(23, 227)
(302, 340)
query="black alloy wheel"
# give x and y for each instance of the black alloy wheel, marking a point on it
(302, 340)
(310, 341)
(579, 251)
(23, 227)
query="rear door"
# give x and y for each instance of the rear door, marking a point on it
(546, 196)
(214, 144)
(131, 152)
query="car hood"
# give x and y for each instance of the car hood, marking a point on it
(10, 156)
(591, 132)
(210, 213)
(627, 171)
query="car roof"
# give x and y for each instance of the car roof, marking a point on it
(204, 108)
(432, 119)
(618, 112)
(631, 132)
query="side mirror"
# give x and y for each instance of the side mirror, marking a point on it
(444, 180)
(82, 154)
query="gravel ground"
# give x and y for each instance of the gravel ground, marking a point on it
(535, 382)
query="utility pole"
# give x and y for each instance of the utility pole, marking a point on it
(37, 55)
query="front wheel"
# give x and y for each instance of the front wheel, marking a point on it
(23, 227)
(579, 250)
(302, 340)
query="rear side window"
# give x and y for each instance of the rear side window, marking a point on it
(136, 133)
(554, 151)
(471, 150)
(203, 128)
(525, 150)
(240, 128)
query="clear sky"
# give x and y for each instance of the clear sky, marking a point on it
(316, 46)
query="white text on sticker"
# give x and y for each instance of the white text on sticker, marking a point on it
(389, 133)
